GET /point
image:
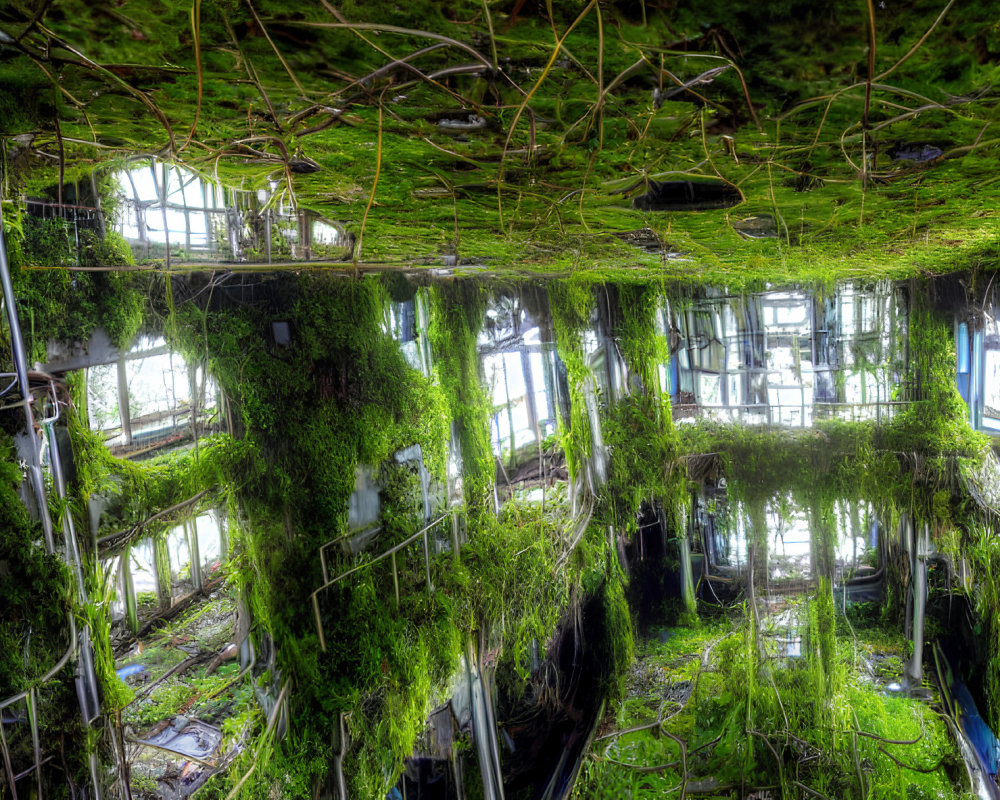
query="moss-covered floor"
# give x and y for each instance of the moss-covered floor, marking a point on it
(712, 723)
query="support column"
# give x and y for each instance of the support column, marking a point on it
(914, 669)
(687, 576)
(131, 604)
(161, 565)
(191, 526)
(124, 413)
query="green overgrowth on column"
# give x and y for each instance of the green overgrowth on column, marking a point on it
(339, 397)
(982, 548)
(572, 302)
(822, 526)
(457, 313)
(936, 421)
(643, 347)
(639, 430)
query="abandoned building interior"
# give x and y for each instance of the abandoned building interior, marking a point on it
(499, 399)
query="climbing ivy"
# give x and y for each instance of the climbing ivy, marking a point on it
(457, 313)
(572, 302)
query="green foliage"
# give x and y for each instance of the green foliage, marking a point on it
(220, 466)
(52, 303)
(751, 722)
(457, 315)
(874, 461)
(822, 630)
(644, 459)
(509, 586)
(644, 349)
(400, 496)
(49, 242)
(982, 549)
(96, 615)
(572, 302)
(34, 589)
(67, 306)
(340, 397)
(938, 419)
(618, 644)
(121, 301)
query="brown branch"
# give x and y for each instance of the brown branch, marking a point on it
(274, 47)
(115, 538)
(196, 35)
(139, 95)
(924, 770)
(871, 63)
(886, 741)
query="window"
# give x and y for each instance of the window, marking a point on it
(785, 357)
(168, 211)
(520, 370)
(157, 391)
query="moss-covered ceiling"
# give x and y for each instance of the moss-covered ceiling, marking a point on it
(516, 135)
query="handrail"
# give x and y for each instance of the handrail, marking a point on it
(51, 673)
(322, 550)
(391, 552)
(29, 693)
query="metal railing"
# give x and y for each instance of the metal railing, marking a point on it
(391, 554)
(340, 540)
(30, 696)
(237, 233)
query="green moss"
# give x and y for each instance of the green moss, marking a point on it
(644, 467)
(739, 712)
(549, 178)
(67, 306)
(35, 590)
(115, 694)
(644, 349)
(572, 302)
(457, 315)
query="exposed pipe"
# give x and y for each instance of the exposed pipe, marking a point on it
(59, 481)
(338, 758)
(87, 703)
(86, 687)
(687, 575)
(483, 727)
(35, 743)
(21, 369)
(914, 670)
